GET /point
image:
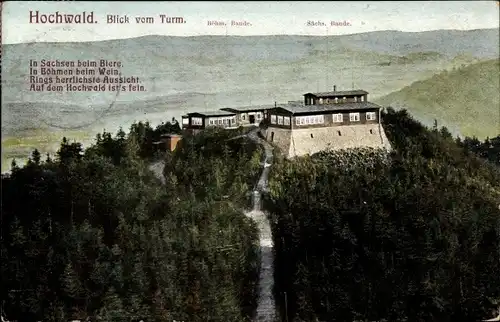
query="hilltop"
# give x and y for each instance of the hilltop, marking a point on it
(467, 97)
(94, 235)
(348, 226)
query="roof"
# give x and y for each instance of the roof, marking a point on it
(212, 113)
(338, 93)
(248, 108)
(294, 109)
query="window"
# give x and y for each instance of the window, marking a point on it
(338, 132)
(196, 121)
(243, 116)
(370, 116)
(338, 118)
(354, 117)
(257, 116)
(280, 120)
(185, 121)
(273, 119)
(336, 99)
(312, 136)
(362, 98)
(371, 131)
(211, 121)
(310, 120)
(286, 120)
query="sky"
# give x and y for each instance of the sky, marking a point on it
(266, 18)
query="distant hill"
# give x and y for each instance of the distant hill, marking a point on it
(183, 74)
(468, 97)
(268, 67)
(479, 43)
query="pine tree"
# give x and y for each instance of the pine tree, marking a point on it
(112, 308)
(36, 156)
(13, 166)
(72, 288)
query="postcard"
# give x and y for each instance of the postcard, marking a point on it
(250, 161)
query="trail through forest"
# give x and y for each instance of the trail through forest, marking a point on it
(157, 168)
(266, 307)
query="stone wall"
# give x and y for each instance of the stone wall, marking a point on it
(309, 141)
(280, 138)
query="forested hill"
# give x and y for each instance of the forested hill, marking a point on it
(410, 236)
(93, 234)
(467, 97)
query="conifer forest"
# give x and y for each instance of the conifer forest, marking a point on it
(411, 235)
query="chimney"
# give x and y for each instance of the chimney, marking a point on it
(274, 104)
(334, 88)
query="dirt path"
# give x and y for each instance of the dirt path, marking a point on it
(266, 306)
(157, 168)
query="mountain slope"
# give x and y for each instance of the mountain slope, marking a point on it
(184, 74)
(258, 64)
(467, 97)
(479, 43)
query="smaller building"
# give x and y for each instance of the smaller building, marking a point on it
(171, 140)
(198, 121)
(342, 97)
(249, 115)
(167, 142)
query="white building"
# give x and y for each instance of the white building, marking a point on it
(249, 115)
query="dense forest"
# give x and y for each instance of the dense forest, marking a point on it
(359, 235)
(93, 234)
(412, 235)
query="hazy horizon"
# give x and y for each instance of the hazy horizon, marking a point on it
(269, 35)
(266, 19)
